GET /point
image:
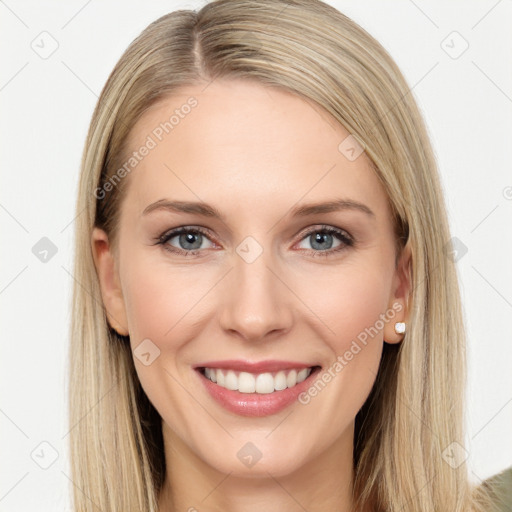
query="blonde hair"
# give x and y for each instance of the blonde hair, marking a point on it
(415, 409)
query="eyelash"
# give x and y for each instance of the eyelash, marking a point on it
(341, 235)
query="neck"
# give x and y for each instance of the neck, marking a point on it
(324, 483)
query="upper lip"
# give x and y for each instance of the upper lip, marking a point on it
(253, 366)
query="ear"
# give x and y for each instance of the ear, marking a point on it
(399, 298)
(110, 283)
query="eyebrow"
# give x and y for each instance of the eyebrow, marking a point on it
(305, 210)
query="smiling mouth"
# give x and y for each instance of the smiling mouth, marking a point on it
(257, 383)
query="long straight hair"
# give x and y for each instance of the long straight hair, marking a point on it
(415, 410)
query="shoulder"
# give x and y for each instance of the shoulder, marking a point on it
(500, 488)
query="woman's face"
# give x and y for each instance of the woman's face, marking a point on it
(266, 280)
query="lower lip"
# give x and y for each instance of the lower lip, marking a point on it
(256, 404)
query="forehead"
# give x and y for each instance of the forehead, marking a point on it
(239, 142)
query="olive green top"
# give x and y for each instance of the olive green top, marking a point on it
(500, 487)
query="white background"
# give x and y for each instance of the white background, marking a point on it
(46, 108)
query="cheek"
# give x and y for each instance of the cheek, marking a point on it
(159, 298)
(352, 304)
(160, 304)
(349, 300)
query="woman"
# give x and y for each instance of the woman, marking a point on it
(307, 351)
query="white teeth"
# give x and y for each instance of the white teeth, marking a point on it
(231, 382)
(291, 378)
(262, 383)
(211, 374)
(302, 375)
(246, 383)
(280, 381)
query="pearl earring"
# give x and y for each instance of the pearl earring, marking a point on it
(400, 327)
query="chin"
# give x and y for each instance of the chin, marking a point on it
(255, 460)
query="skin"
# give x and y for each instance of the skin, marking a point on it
(254, 153)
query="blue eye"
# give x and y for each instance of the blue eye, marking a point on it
(190, 239)
(322, 239)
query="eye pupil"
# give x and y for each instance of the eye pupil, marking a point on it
(319, 238)
(188, 238)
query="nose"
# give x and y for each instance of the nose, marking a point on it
(256, 300)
